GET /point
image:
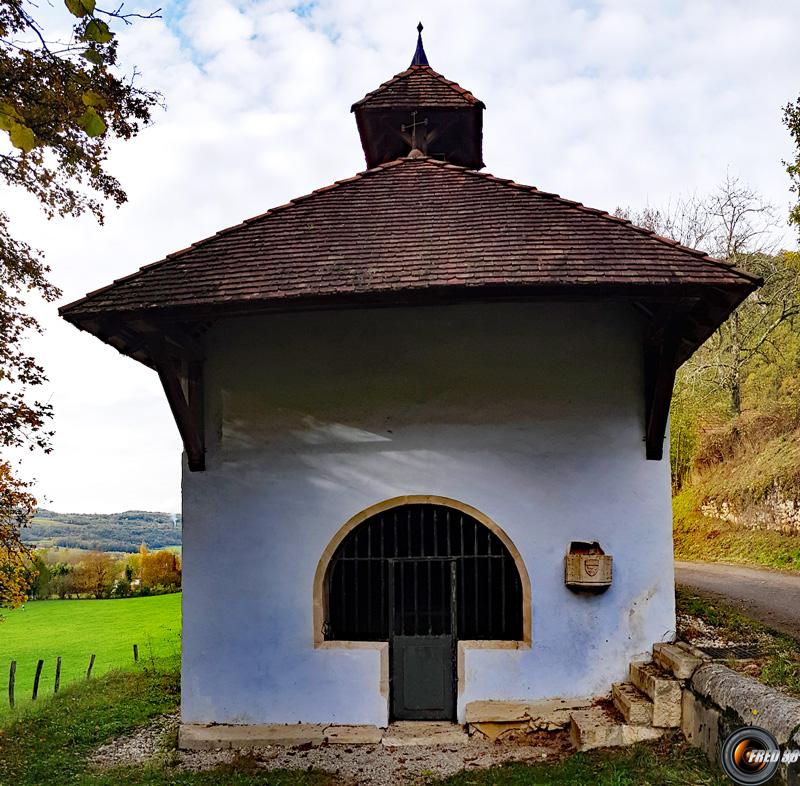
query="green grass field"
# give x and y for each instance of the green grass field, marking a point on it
(76, 629)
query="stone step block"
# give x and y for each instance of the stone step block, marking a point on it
(675, 660)
(594, 728)
(695, 651)
(635, 707)
(662, 689)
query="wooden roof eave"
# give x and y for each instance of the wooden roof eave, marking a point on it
(178, 359)
(673, 334)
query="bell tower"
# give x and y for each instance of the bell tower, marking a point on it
(419, 109)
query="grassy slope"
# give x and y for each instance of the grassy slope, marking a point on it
(757, 465)
(50, 745)
(76, 629)
(757, 460)
(711, 540)
(668, 763)
(780, 668)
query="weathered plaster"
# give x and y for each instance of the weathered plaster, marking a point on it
(530, 413)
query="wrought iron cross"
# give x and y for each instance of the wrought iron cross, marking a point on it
(413, 127)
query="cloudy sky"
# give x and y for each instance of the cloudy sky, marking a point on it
(611, 103)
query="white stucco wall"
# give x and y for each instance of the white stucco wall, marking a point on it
(532, 413)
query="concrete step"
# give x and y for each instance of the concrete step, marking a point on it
(404, 734)
(353, 735)
(636, 708)
(203, 738)
(594, 728)
(675, 660)
(662, 689)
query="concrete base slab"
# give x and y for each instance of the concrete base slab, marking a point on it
(418, 733)
(204, 738)
(399, 734)
(353, 735)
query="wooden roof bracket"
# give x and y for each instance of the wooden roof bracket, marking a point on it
(182, 381)
(661, 360)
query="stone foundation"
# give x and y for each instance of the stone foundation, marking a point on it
(718, 700)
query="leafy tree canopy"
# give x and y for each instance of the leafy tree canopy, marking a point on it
(62, 102)
(791, 118)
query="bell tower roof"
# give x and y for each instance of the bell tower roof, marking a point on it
(420, 58)
(419, 109)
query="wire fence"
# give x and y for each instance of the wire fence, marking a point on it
(12, 676)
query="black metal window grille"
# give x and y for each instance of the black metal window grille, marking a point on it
(393, 571)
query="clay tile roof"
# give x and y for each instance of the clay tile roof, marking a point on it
(418, 86)
(412, 225)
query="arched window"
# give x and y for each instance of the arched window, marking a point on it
(423, 570)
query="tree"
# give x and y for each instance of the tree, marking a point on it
(61, 580)
(791, 119)
(62, 103)
(735, 224)
(161, 569)
(748, 335)
(40, 583)
(17, 506)
(133, 564)
(96, 573)
(752, 359)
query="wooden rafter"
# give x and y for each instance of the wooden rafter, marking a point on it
(185, 400)
(662, 352)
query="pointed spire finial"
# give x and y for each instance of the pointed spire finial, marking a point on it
(420, 58)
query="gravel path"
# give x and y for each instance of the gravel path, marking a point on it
(145, 743)
(366, 765)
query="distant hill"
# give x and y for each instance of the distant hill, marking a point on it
(104, 531)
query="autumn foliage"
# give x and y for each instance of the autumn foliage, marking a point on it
(161, 569)
(16, 566)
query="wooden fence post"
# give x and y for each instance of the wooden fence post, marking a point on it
(58, 675)
(12, 676)
(91, 666)
(136, 653)
(36, 679)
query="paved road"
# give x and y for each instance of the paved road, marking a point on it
(770, 596)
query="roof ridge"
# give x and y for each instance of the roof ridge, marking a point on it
(462, 91)
(602, 214)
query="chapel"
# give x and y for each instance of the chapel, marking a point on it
(424, 416)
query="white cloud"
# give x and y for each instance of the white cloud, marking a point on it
(613, 103)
